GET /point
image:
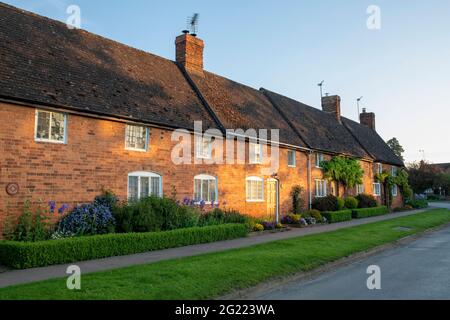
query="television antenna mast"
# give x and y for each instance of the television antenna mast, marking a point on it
(321, 88)
(357, 103)
(192, 25)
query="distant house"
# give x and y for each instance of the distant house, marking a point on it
(81, 113)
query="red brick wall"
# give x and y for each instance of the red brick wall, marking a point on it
(95, 158)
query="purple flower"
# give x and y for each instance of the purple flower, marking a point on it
(202, 204)
(63, 208)
(52, 206)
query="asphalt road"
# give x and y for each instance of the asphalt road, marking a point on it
(418, 270)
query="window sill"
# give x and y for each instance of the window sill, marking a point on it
(50, 141)
(292, 166)
(255, 201)
(136, 150)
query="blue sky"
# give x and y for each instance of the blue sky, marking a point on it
(402, 70)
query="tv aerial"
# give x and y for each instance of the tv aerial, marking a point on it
(192, 25)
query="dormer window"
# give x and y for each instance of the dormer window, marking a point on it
(203, 148)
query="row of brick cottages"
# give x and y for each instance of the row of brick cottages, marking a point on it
(81, 113)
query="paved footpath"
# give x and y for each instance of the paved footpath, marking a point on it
(14, 277)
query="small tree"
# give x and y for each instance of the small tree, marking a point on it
(297, 200)
(396, 147)
(343, 170)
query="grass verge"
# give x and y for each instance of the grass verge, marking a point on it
(211, 275)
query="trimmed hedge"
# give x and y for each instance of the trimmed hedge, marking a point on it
(338, 216)
(369, 212)
(23, 255)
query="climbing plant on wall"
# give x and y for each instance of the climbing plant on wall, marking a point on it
(343, 170)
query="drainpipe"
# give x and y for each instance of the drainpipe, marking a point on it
(309, 180)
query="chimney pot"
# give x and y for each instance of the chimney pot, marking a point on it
(332, 104)
(189, 52)
(367, 119)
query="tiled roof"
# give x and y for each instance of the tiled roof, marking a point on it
(241, 107)
(43, 61)
(372, 142)
(318, 129)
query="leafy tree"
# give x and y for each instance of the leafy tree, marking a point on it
(422, 176)
(343, 170)
(395, 145)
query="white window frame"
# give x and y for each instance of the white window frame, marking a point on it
(320, 188)
(146, 138)
(394, 190)
(360, 189)
(379, 167)
(255, 149)
(207, 177)
(289, 154)
(377, 187)
(394, 171)
(257, 198)
(200, 148)
(319, 158)
(145, 174)
(49, 140)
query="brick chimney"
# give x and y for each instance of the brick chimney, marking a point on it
(332, 104)
(189, 53)
(367, 119)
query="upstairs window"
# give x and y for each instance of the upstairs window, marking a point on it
(321, 188)
(205, 189)
(292, 158)
(319, 159)
(136, 138)
(50, 126)
(378, 168)
(377, 189)
(394, 171)
(256, 153)
(255, 189)
(360, 189)
(203, 148)
(144, 184)
(394, 190)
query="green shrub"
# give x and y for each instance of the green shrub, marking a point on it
(22, 255)
(313, 214)
(366, 201)
(219, 216)
(369, 212)
(291, 219)
(351, 203)
(338, 216)
(297, 200)
(433, 197)
(341, 204)
(258, 227)
(418, 203)
(154, 214)
(328, 203)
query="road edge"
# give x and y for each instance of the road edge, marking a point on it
(274, 283)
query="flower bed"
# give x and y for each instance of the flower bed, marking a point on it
(22, 255)
(369, 212)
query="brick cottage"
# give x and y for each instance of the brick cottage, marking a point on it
(81, 114)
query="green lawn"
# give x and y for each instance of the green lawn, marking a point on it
(211, 275)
